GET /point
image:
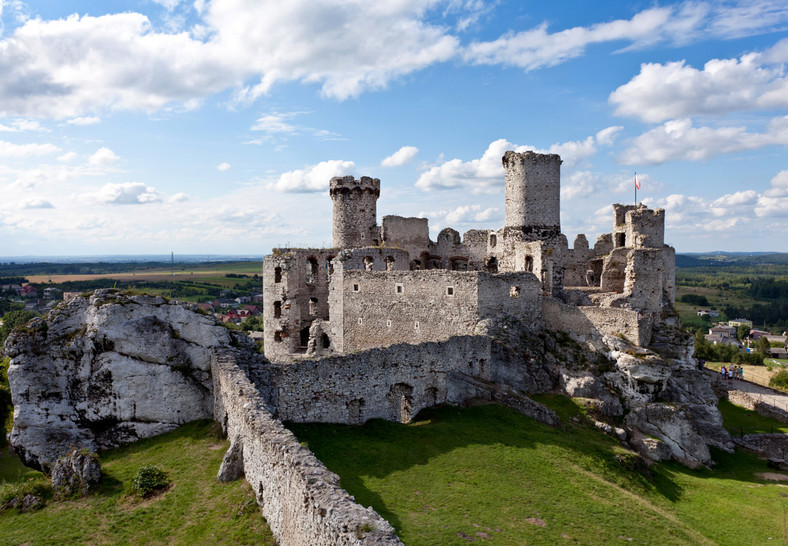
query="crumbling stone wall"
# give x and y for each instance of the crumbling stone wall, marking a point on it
(421, 306)
(393, 383)
(299, 498)
(596, 322)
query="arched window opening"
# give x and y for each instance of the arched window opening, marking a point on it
(313, 306)
(325, 341)
(389, 263)
(368, 263)
(621, 239)
(529, 264)
(493, 240)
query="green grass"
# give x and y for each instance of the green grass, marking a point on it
(196, 509)
(489, 473)
(738, 420)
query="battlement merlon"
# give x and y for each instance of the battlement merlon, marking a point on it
(349, 183)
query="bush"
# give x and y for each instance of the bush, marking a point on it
(779, 380)
(12, 493)
(149, 479)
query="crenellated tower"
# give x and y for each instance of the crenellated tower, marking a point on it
(533, 193)
(355, 210)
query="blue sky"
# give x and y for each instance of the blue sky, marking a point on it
(214, 126)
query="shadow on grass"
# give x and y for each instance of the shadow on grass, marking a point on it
(380, 448)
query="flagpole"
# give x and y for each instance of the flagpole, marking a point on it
(636, 188)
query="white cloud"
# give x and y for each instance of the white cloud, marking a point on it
(169, 5)
(84, 120)
(315, 178)
(224, 166)
(678, 25)
(463, 215)
(102, 157)
(9, 149)
(680, 140)
(675, 90)
(20, 125)
(68, 156)
(578, 184)
(276, 123)
(127, 193)
(178, 198)
(401, 157)
(36, 204)
(485, 175)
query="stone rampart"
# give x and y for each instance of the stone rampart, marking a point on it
(392, 383)
(753, 402)
(300, 499)
(595, 321)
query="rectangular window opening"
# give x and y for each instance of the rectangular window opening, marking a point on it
(355, 288)
(399, 288)
(449, 290)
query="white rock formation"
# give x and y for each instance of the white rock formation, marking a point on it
(106, 369)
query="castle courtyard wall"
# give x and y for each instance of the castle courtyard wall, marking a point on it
(393, 383)
(300, 499)
(595, 322)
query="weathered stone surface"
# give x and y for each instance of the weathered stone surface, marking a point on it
(77, 473)
(774, 445)
(300, 499)
(107, 369)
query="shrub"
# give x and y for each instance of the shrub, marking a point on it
(12, 493)
(779, 380)
(149, 479)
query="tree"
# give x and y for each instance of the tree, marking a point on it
(12, 320)
(742, 331)
(763, 346)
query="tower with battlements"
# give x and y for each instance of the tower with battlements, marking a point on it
(355, 211)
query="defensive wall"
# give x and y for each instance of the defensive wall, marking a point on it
(299, 498)
(422, 306)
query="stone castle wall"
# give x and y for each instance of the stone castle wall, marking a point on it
(299, 498)
(421, 306)
(393, 383)
(590, 321)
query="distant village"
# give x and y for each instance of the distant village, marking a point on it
(741, 334)
(226, 308)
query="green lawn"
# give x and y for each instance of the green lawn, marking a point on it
(197, 509)
(488, 473)
(738, 420)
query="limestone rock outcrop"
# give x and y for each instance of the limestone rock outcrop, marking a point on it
(109, 368)
(77, 473)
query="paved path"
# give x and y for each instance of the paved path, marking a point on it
(757, 392)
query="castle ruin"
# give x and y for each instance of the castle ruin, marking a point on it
(386, 284)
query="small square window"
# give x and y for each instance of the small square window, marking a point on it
(416, 325)
(399, 288)
(356, 288)
(449, 290)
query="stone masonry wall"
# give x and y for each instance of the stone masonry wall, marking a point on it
(392, 383)
(300, 499)
(594, 321)
(420, 306)
(533, 191)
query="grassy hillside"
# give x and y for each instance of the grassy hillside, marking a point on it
(483, 474)
(197, 509)
(490, 474)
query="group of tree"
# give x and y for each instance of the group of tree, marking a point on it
(730, 353)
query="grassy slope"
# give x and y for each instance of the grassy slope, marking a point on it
(197, 508)
(490, 473)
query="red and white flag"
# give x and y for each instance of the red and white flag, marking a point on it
(637, 182)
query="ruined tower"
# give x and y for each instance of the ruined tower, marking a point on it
(355, 211)
(533, 190)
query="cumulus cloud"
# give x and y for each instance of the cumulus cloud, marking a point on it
(680, 140)
(774, 201)
(178, 198)
(578, 184)
(674, 90)
(315, 178)
(485, 174)
(84, 120)
(102, 157)
(127, 193)
(36, 204)
(224, 166)
(20, 125)
(401, 157)
(468, 214)
(9, 149)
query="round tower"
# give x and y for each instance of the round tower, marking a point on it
(355, 210)
(533, 193)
